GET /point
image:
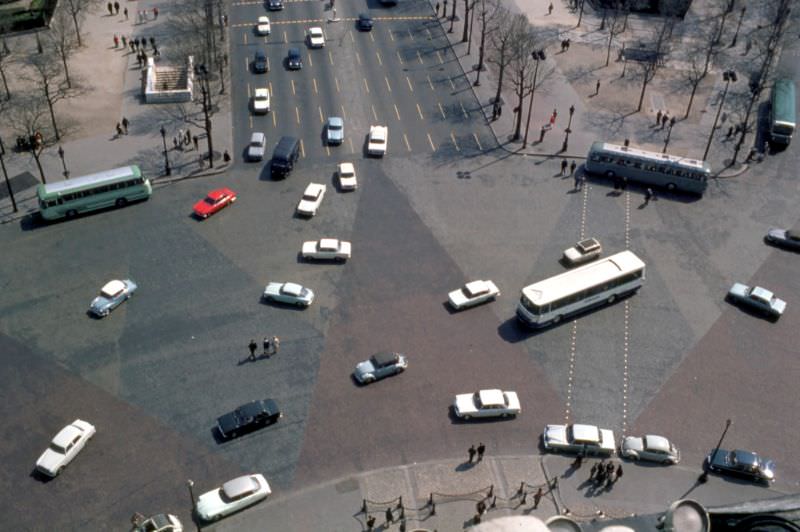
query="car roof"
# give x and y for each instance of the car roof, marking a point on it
(329, 243)
(762, 293)
(335, 120)
(346, 167)
(263, 19)
(745, 457)
(476, 287)
(112, 288)
(292, 289)
(492, 397)
(262, 91)
(239, 486)
(385, 358)
(585, 433)
(294, 51)
(66, 435)
(254, 408)
(656, 443)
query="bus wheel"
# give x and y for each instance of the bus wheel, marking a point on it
(611, 298)
(121, 202)
(557, 319)
(610, 174)
(72, 213)
(671, 187)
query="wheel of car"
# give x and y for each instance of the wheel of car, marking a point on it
(467, 417)
(72, 213)
(267, 298)
(671, 187)
(612, 298)
(299, 304)
(610, 174)
(557, 319)
(503, 415)
(121, 202)
(339, 259)
(400, 370)
(60, 469)
(667, 462)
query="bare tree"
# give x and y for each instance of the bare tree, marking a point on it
(6, 59)
(46, 72)
(499, 46)
(78, 9)
(489, 22)
(62, 38)
(699, 60)
(616, 27)
(27, 117)
(521, 64)
(650, 67)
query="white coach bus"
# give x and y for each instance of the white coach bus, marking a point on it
(600, 282)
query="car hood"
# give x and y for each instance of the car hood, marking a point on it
(555, 434)
(202, 207)
(100, 303)
(228, 422)
(362, 368)
(50, 461)
(632, 443)
(778, 305)
(209, 504)
(457, 297)
(739, 290)
(465, 404)
(777, 234)
(307, 205)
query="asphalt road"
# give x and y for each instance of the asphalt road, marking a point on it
(674, 359)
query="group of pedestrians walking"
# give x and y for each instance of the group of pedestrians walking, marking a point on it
(603, 473)
(270, 345)
(472, 451)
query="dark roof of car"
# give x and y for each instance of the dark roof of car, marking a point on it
(294, 52)
(254, 408)
(746, 458)
(385, 358)
(793, 234)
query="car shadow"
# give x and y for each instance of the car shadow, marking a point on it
(41, 477)
(278, 304)
(455, 420)
(781, 247)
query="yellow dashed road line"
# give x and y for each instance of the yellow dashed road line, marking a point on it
(408, 146)
(397, 111)
(430, 140)
(388, 85)
(419, 110)
(455, 143)
(366, 85)
(441, 110)
(410, 87)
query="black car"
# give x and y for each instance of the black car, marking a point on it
(364, 22)
(294, 61)
(785, 238)
(275, 5)
(248, 417)
(740, 463)
(260, 64)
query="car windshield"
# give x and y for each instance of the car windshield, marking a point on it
(57, 448)
(211, 201)
(334, 127)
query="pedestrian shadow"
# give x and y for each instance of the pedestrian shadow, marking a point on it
(465, 466)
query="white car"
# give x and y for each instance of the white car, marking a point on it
(234, 495)
(758, 298)
(316, 39)
(261, 102)
(487, 403)
(347, 176)
(263, 27)
(291, 293)
(651, 448)
(65, 446)
(586, 440)
(378, 139)
(311, 200)
(583, 251)
(472, 294)
(326, 249)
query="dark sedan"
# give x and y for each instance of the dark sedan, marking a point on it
(740, 463)
(248, 417)
(364, 22)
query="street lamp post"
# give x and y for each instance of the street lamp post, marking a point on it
(207, 104)
(537, 55)
(728, 76)
(669, 132)
(63, 164)
(738, 26)
(704, 476)
(167, 169)
(190, 485)
(567, 131)
(5, 174)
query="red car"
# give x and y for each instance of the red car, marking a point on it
(215, 201)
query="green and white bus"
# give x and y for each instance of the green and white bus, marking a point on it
(651, 168)
(783, 115)
(67, 198)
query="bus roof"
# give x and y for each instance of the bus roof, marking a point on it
(71, 185)
(783, 102)
(579, 279)
(651, 155)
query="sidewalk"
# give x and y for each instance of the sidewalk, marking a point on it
(506, 484)
(113, 77)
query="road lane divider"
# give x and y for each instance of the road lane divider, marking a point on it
(408, 146)
(452, 85)
(391, 35)
(310, 61)
(411, 35)
(455, 143)
(297, 114)
(388, 85)
(302, 149)
(314, 81)
(274, 118)
(410, 86)
(399, 57)
(374, 114)
(439, 55)
(478, 142)
(396, 111)
(366, 85)
(419, 110)
(421, 62)
(350, 142)
(430, 140)
(344, 114)
(378, 55)
(358, 58)
(321, 118)
(336, 81)
(430, 83)
(330, 57)
(441, 110)
(292, 82)
(463, 111)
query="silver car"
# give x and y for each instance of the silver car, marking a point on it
(380, 365)
(334, 130)
(111, 296)
(290, 293)
(257, 146)
(757, 298)
(651, 448)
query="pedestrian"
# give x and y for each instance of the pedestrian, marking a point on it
(156, 53)
(226, 156)
(155, 13)
(664, 120)
(136, 43)
(389, 516)
(555, 114)
(132, 46)
(572, 168)
(658, 117)
(125, 124)
(124, 42)
(188, 136)
(437, 9)
(225, 20)
(729, 134)
(119, 130)
(370, 523)
(600, 478)
(139, 60)
(541, 133)
(593, 471)
(444, 9)
(537, 497)
(480, 507)
(116, 8)
(125, 12)
(471, 452)
(648, 195)
(110, 9)
(175, 141)
(252, 346)
(609, 469)
(578, 183)
(153, 42)
(624, 184)
(276, 343)
(481, 450)
(627, 142)
(597, 88)
(550, 9)
(195, 140)
(569, 42)
(266, 346)
(619, 473)
(563, 167)
(116, 41)
(578, 462)
(563, 44)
